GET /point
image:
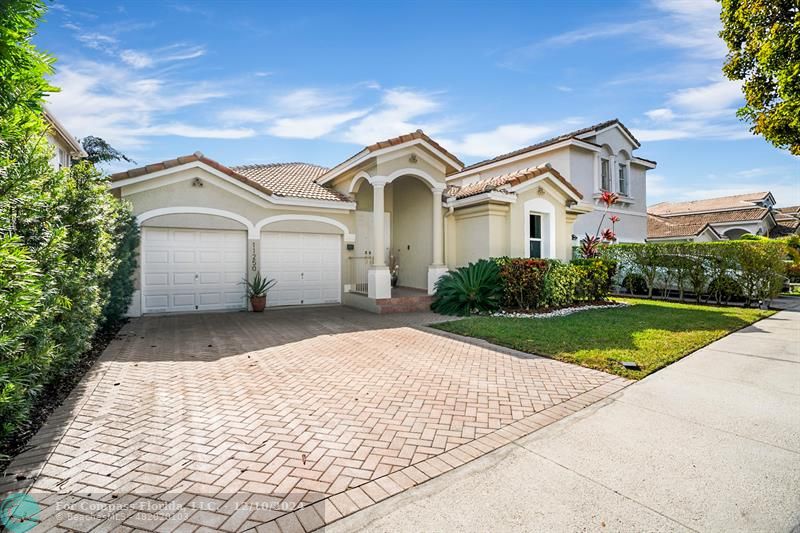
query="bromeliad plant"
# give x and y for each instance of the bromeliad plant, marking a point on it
(590, 244)
(257, 289)
(475, 288)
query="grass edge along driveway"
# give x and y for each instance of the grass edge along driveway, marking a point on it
(652, 333)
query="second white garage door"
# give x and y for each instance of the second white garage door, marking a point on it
(307, 267)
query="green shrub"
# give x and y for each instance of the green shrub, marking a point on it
(635, 284)
(560, 285)
(747, 269)
(66, 244)
(119, 289)
(596, 277)
(475, 288)
(523, 281)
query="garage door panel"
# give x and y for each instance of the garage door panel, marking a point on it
(157, 257)
(183, 256)
(157, 279)
(193, 270)
(183, 278)
(209, 278)
(306, 266)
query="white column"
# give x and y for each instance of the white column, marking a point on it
(438, 268)
(438, 225)
(379, 279)
(379, 247)
(613, 174)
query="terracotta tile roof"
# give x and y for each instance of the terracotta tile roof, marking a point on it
(291, 179)
(659, 226)
(506, 181)
(295, 180)
(785, 226)
(197, 156)
(554, 140)
(737, 201)
(419, 134)
(793, 210)
(673, 227)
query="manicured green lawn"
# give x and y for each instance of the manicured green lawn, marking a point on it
(651, 333)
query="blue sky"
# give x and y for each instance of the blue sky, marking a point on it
(249, 82)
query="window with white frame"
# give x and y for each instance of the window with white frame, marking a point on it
(605, 175)
(535, 240)
(623, 179)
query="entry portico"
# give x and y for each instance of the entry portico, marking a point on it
(399, 183)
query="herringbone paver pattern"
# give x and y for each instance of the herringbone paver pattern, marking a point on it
(234, 419)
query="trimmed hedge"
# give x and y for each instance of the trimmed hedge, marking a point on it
(530, 284)
(66, 244)
(750, 270)
(522, 284)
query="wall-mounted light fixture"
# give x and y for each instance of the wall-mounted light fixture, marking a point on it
(412, 159)
(197, 182)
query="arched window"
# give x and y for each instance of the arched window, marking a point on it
(623, 169)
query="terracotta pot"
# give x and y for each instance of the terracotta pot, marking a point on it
(258, 303)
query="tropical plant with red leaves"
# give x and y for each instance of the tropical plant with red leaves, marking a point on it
(590, 246)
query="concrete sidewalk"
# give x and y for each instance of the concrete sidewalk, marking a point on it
(711, 443)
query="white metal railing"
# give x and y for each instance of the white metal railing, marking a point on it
(359, 274)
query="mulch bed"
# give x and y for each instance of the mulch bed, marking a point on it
(52, 396)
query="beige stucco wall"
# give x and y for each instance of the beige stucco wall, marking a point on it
(498, 229)
(477, 232)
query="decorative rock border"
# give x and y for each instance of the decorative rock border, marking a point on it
(558, 312)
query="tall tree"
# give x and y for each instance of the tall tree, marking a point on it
(763, 38)
(99, 151)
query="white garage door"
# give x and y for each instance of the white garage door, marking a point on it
(192, 270)
(307, 267)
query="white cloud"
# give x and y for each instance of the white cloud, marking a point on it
(126, 109)
(97, 41)
(707, 111)
(139, 59)
(648, 135)
(312, 127)
(398, 113)
(600, 31)
(305, 100)
(715, 96)
(502, 139)
(661, 114)
(564, 88)
(136, 59)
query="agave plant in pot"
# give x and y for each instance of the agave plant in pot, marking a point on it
(257, 289)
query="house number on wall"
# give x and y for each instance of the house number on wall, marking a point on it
(253, 265)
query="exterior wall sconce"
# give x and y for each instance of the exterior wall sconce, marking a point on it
(412, 159)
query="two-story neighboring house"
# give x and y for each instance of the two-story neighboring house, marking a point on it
(722, 218)
(65, 146)
(593, 159)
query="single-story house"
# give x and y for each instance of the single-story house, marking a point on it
(330, 235)
(726, 217)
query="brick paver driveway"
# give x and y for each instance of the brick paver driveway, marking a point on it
(289, 420)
